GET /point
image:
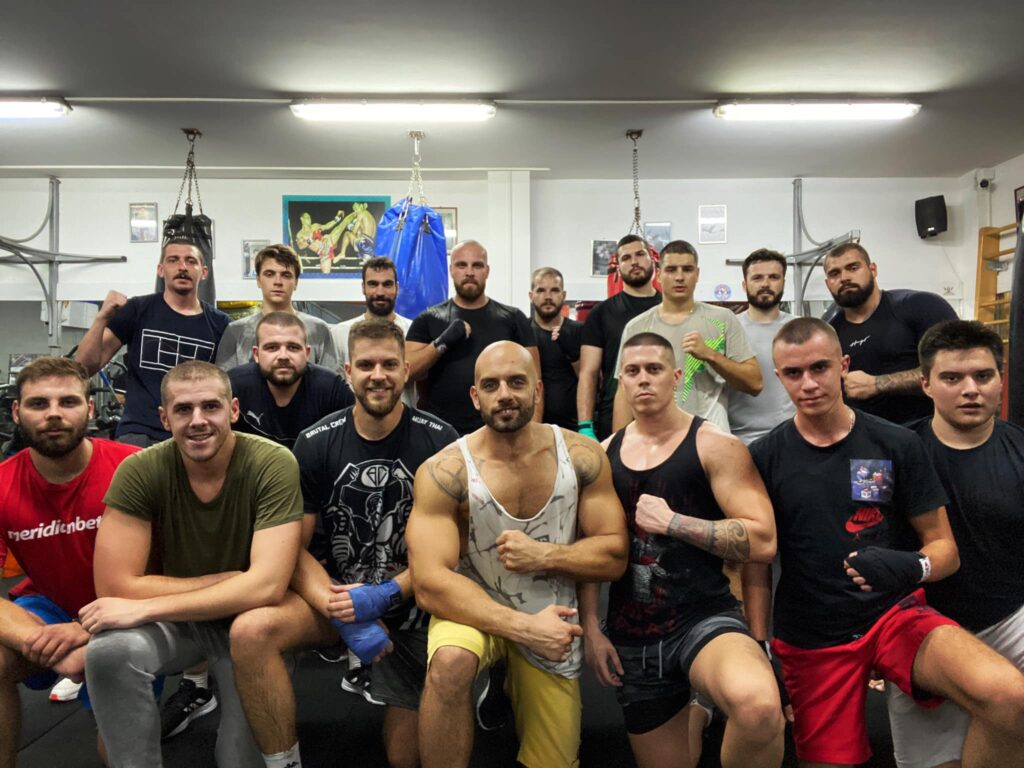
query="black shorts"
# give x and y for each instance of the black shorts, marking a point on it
(397, 679)
(656, 677)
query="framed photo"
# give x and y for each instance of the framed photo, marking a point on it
(450, 219)
(143, 226)
(1018, 203)
(249, 250)
(602, 252)
(711, 220)
(658, 233)
(332, 235)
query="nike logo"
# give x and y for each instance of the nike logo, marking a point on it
(865, 517)
(860, 342)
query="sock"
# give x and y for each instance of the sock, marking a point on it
(201, 679)
(289, 759)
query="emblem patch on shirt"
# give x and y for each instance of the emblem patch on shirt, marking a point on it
(871, 480)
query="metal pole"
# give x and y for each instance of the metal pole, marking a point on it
(53, 306)
(798, 247)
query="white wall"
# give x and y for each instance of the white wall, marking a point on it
(568, 214)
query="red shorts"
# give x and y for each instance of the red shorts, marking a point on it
(828, 686)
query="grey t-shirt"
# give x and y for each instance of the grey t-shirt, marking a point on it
(701, 391)
(751, 417)
(339, 333)
(236, 345)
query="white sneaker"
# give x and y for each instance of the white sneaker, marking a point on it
(65, 690)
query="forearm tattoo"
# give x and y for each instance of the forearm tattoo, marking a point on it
(901, 382)
(586, 458)
(726, 539)
(449, 472)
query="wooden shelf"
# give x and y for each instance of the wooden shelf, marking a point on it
(991, 306)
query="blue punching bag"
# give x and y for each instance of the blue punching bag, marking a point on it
(412, 236)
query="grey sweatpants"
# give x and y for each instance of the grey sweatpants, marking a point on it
(120, 667)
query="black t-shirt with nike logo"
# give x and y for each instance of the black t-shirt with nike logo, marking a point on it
(829, 502)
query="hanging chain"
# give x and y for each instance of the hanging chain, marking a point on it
(190, 177)
(637, 226)
(416, 180)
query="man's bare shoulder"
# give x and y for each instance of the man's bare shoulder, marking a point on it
(588, 458)
(447, 469)
(717, 447)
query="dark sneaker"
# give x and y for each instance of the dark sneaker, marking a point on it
(357, 681)
(185, 705)
(492, 706)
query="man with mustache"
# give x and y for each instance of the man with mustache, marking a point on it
(880, 331)
(711, 348)
(280, 393)
(277, 275)
(380, 289)
(558, 341)
(51, 503)
(764, 280)
(357, 468)
(160, 330)
(444, 341)
(602, 334)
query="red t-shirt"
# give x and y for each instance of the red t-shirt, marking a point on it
(51, 528)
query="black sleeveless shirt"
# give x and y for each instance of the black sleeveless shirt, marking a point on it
(669, 584)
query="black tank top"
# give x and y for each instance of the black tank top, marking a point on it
(669, 584)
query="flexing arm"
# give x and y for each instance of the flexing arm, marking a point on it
(748, 531)
(100, 343)
(742, 375)
(433, 539)
(423, 355)
(586, 390)
(860, 385)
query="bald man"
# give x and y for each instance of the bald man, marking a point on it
(496, 561)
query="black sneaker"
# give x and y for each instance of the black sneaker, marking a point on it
(492, 706)
(357, 681)
(185, 705)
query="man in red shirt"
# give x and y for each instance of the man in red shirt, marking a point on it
(51, 502)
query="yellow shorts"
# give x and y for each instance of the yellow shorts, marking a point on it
(547, 706)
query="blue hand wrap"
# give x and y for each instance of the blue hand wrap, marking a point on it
(372, 601)
(365, 640)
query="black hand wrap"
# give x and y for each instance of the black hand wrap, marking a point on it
(453, 334)
(766, 646)
(888, 569)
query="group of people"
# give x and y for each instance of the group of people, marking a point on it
(305, 486)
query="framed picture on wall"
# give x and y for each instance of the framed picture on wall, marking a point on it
(1018, 203)
(332, 235)
(601, 252)
(450, 219)
(249, 250)
(142, 223)
(658, 234)
(711, 223)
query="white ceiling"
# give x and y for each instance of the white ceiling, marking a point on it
(963, 61)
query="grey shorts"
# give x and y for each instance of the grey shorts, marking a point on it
(397, 679)
(925, 737)
(656, 677)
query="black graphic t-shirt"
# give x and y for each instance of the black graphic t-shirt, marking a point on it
(862, 491)
(887, 342)
(362, 491)
(157, 339)
(603, 329)
(560, 380)
(451, 376)
(321, 392)
(669, 583)
(986, 487)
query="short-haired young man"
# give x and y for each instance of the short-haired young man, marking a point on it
(280, 393)
(357, 468)
(980, 461)
(222, 512)
(861, 524)
(710, 345)
(602, 334)
(51, 503)
(879, 330)
(277, 275)
(558, 341)
(160, 330)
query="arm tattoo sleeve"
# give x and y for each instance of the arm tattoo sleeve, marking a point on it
(726, 539)
(901, 382)
(586, 458)
(449, 472)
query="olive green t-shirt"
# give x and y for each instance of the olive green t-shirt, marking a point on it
(194, 538)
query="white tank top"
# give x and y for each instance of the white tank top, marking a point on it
(554, 523)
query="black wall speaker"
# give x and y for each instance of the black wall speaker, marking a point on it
(931, 216)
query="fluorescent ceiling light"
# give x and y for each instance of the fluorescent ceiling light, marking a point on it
(374, 111)
(815, 110)
(29, 109)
